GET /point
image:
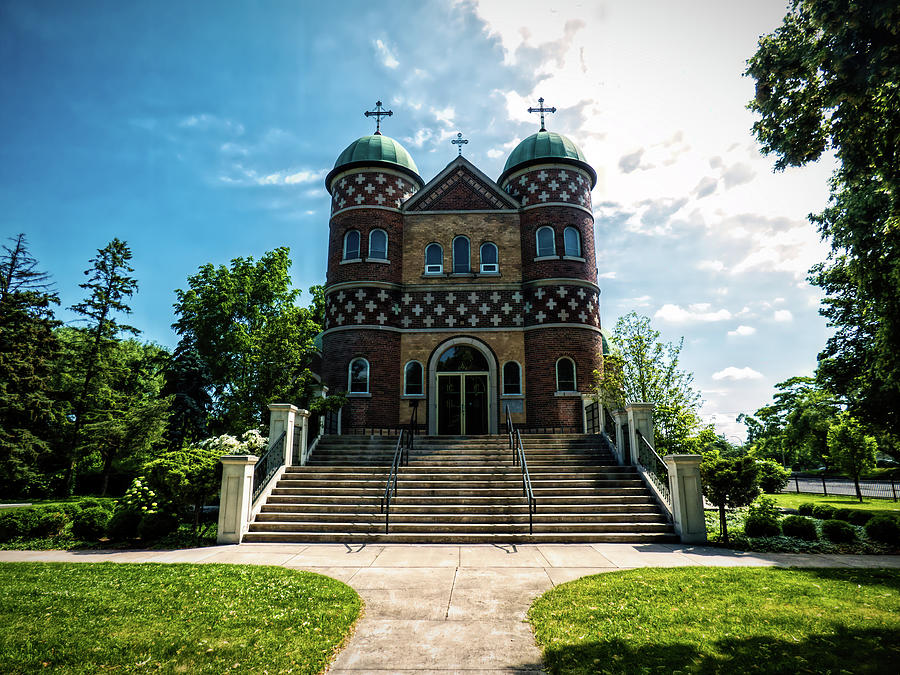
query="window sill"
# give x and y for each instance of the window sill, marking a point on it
(519, 396)
(434, 275)
(470, 275)
(359, 394)
(383, 261)
(417, 397)
(541, 258)
(568, 394)
(489, 274)
(573, 257)
(348, 261)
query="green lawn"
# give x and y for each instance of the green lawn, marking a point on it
(880, 507)
(722, 620)
(139, 618)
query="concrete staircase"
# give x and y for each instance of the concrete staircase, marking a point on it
(461, 490)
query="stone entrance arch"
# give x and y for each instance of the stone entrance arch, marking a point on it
(473, 381)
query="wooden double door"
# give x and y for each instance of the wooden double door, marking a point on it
(462, 405)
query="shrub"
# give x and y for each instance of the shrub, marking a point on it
(805, 509)
(187, 478)
(48, 522)
(860, 517)
(823, 511)
(772, 476)
(762, 518)
(155, 526)
(838, 531)
(800, 527)
(89, 502)
(884, 529)
(71, 509)
(843, 514)
(123, 524)
(91, 523)
(16, 523)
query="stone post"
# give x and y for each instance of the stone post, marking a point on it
(687, 497)
(282, 418)
(640, 418)
(619, 418)
(302, 429)
(235, 497)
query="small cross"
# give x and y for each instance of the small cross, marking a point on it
(541, 109)
(459, 141)
(378, 113)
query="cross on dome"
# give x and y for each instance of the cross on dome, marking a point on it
(541, 109)
(380, 112)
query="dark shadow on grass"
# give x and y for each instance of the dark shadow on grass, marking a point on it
(887, 578)
(862, 652)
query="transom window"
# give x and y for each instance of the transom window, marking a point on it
(565, 374)
(546, 246)
(378, 241)
(572, 241)
(351, 245)
(358, 379)
(462, 358)
(489, 258)
(461, 255)
(434, 259)
(412, 379)
(512, 378)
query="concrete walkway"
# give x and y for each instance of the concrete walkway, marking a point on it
(453, 609)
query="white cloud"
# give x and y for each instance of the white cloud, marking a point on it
(304, 176)
(714, 265)
(445, 116)
(732, 373)
(699, 312)
(387, 57)
(738, 174)
(742, 331)
(493, 153)
(607, 275)
(783, 315)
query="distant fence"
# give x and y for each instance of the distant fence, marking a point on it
(878, 489)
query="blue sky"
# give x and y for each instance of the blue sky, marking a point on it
(202, 131)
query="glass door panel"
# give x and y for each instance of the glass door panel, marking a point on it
(450, 405)
(476, 405)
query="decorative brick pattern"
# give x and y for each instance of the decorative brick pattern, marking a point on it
(370, 188)
(542, 186)
(460, 190)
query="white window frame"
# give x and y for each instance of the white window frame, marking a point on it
(434, 269)
(375, 231)
(421, 382)
(468, 269)
(503, 375)
(350, 391)
(574, 374)
(489, 268)
(566, 252)
(537, 242)
(358, 245)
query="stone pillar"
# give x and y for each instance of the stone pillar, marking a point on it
(282, 418)
(235, 497)
(619, 418)
(687, 497)
(640, 418)
(302, 429)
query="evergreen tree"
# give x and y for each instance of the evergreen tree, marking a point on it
(108, 287)
(27, 349)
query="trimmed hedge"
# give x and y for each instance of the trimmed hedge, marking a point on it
(40, 521)
(805, 509)
(843, 514)
(800, 527)
(91, 523)
(884, 529)
(123, 525)
(860, 517)
(823, 511)
(838, 531)
(155, 526)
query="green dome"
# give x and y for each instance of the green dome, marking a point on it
(549, 146)
(376, 150)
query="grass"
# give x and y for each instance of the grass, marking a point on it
(139, 618)
(722, 620)
(880, 507)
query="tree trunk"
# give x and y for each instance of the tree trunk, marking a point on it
(858, 491)
(723, 525)
(107, 469)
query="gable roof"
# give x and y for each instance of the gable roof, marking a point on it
(460, 187)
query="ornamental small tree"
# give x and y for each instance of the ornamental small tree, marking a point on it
(187, 478)
(851, 449)
(729, 482)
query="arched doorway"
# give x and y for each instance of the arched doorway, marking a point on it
(463, 379)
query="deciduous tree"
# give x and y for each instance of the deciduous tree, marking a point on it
(852, 449)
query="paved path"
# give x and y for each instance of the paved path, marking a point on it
(453, 609)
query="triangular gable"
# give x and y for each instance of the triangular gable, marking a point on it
(460, 187)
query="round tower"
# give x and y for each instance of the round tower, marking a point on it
(551, 178)
(370, 181)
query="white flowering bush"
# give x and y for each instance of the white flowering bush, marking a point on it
(139, 498)
(250, 443)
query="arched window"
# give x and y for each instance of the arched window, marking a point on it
(358, 380)
(512, 378)
(546, 246)
(572, 241)
(378, 244)
(489, 262)
(461, 255)
(412, 379)
(565, 374)
(351, 245)
(434, 259)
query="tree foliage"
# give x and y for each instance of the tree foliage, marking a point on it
(852, 449)
(186, 478)
(729, 482)
(244, 333)
(829, 79)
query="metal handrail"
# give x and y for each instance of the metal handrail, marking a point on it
(515, 444)
(400, 451)
(655, 466)
(267, 465)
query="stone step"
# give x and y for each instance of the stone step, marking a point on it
(542, 470)
(460, 482)
(539, 493)
(480, 518)
(509, 507)
(463, 538)
(449, 527)
(425, 500)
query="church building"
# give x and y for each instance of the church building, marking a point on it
(462, 295)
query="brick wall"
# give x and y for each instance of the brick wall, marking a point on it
(364, 221)
(558, 217)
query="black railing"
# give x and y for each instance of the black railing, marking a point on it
(592, 418)
(268, 465)
(401, 458)
(515, 444)
(656, 468)
(820, 485)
